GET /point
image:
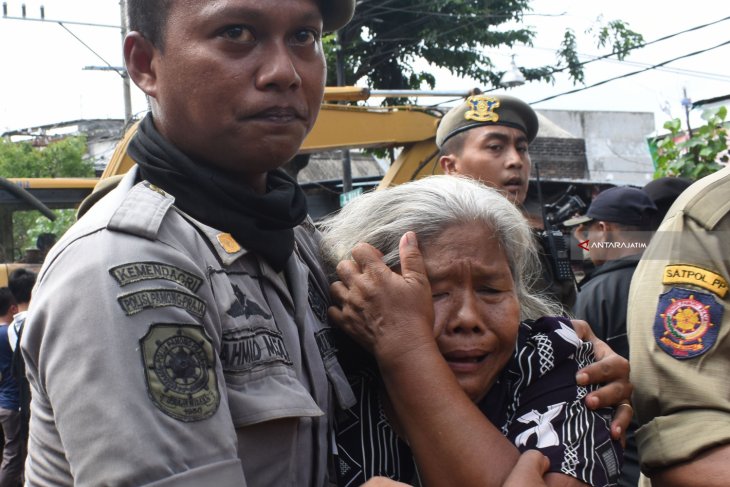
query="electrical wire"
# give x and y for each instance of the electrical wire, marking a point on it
(627, 75)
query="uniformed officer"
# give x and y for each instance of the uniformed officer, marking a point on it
(679, 336)
(178, 333)
(487, 137)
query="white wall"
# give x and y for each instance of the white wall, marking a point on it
(616, 147)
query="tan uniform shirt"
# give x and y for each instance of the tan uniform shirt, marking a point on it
(162, 353)
(679, 329)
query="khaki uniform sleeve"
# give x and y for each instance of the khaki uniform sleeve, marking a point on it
(126, 381)
(678, 324)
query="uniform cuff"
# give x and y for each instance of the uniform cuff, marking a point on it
(668, 440)
(228, 473)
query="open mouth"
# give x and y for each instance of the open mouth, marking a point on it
(465, 357)
(513, 184)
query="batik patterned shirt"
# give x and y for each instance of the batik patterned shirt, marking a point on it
(535, 402)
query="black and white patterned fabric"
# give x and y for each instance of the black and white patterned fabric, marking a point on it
(536, 403)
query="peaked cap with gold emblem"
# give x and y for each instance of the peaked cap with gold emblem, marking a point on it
(488, 109)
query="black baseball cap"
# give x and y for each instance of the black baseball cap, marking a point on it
(664, 191)
(622, 204)
(336, 13)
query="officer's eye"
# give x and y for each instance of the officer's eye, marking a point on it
(238, 33)
(306, 37)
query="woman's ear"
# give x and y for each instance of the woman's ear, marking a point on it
(139, 57)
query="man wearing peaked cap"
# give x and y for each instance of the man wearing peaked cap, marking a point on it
(487, 137)
(202, 328)
(615, 229)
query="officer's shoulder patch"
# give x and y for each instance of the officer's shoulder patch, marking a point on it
(179, 371)
(687, 322)
(697, 276)
(131, 272)
(137, 301)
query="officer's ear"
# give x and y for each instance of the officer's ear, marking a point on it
(448, 164)
(139, 57)
(604, 230)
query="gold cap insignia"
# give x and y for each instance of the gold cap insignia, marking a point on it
(482, 108)
(228, 243)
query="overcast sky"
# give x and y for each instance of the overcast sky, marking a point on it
(43, 79)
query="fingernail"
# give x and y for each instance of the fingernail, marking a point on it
(581, 378)
(411, 238)
(618, 430)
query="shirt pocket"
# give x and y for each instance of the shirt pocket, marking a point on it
(260, 381)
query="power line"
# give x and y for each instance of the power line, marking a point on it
(687, 72)
(661, 39)
(631, 74)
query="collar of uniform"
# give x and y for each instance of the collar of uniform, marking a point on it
(225, 246)
(228, 251)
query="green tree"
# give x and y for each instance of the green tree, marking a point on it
(386, 37)
(693, 157)
(63, 158)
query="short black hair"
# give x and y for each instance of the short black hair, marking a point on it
(6, 300)
(21, 282)
(149, 17)
(45, 241)
(454, 144)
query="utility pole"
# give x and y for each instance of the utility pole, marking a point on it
(346, 161)
(125, 75)
(687, 104)
(63, 24)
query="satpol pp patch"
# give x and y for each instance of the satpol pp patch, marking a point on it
(691, 274)
(179, 370)
(687, 322)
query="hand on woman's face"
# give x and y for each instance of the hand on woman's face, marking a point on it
(475, 305)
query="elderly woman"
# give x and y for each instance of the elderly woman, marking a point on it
(500, 376)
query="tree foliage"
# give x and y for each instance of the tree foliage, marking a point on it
(697, 156)
(63, 158)
(387, 37)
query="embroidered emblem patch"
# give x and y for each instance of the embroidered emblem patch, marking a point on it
(243, 306)
(316, 301)
(482, 108)
(326, 343)
(144, 271)
(690, 274)
(179, 370)
(137, 301)
(244, 350)
(687, 322)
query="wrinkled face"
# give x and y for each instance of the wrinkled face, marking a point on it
(476, 310)
(239, 82)
(497, 156)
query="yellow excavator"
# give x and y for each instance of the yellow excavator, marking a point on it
(410, 127)
(339, 126)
